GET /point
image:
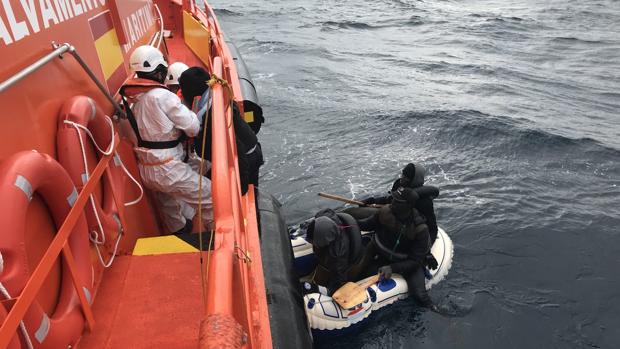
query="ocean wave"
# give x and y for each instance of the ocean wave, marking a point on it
(572, 39)
(472, 128)
(410, 21)
(277, 46)
(226, 12)
(514, 118)
(398, 22)
(492, 24)
(404, 3)
(330, 25)
(494, 18)
(455, 68)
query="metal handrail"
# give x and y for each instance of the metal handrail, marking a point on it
(33, 67)
(211, 15)
(161, 26)
(59, 50)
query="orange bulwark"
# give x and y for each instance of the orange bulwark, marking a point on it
(174, 296)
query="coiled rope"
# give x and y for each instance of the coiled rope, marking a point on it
(7, 295)
(94, 236)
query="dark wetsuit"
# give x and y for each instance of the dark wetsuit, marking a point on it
(332, 247)
(337, 244)
(247, 142)
(249, 153)
(424, 204)
(409, 244)
(334, 257)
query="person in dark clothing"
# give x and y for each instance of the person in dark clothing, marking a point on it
(193, 84)
(336, 242)
(413, 177)
(402, 242)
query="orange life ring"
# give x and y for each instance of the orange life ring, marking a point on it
(83, 111)
(21, 176)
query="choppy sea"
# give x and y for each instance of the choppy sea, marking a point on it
(514, 109)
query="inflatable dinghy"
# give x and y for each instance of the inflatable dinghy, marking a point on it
(326, 317)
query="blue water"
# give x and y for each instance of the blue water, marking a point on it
(514, 108)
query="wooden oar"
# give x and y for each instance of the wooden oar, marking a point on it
(348, 201)
(352, 294)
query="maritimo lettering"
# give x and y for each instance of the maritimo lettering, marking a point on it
(136, 25)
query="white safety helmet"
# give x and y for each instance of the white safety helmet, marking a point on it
(146, 58)
(174, 71)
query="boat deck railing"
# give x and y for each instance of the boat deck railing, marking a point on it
(58, 52)
(236, 296)
(235, 288)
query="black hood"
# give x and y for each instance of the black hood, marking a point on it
(325, 231)
(418, 178)
(329, 213)
(324, 227)
(403, 201)
(412, 176)
(409, 171)
(193, 83)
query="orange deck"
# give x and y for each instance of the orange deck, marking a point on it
(138, 303)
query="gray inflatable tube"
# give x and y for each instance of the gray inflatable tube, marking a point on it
(289, 327)
(253, 111)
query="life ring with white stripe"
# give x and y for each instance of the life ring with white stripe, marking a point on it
(21, 176)
(78, 153)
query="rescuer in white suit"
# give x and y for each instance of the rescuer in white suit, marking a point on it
(161, 122)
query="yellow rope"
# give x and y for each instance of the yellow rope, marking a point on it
(217, 80)
(203, 276)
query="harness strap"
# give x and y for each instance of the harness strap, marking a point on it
(149, 144)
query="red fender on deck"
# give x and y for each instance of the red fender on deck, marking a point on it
(21, 176)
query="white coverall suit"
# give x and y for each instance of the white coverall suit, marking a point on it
(161, 116)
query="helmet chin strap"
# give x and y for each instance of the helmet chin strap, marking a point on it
(162, 78)
(159, 74)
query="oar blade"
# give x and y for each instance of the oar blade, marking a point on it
(349, 295)
(352, 294)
